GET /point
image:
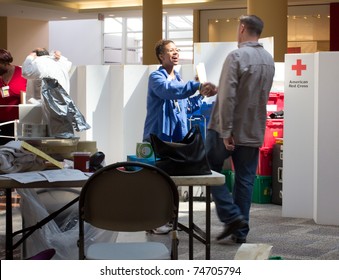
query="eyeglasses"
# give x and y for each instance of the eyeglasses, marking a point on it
(173, 51)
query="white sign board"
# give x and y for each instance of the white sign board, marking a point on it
(298, 136)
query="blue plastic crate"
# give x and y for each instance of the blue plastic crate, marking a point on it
(150, 160)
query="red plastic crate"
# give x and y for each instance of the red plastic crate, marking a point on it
(274, 130)
(265, 162)
(275, 102)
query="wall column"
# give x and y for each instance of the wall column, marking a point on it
(196, 26)
(152, 29)
(274, 15)
(334, 23)
(3, 32)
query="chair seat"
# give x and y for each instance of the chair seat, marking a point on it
(128, 251)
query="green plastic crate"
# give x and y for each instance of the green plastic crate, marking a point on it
(229, 178)
(262, 191)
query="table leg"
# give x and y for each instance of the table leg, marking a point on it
(9, 225)
(208, 223)
(190, 222)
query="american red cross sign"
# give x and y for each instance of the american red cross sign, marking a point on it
(299, 67)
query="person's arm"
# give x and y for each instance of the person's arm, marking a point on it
(65, 63)
(173, 89)
(227, 90)
(29, 67)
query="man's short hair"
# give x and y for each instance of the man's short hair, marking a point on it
(253, 24)
(41, 51)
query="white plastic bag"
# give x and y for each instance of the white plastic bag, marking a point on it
(63, 238)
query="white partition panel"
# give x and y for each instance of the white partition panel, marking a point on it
(326, 175)
(311, 133)
(113, 101)
(134, 107)
(113, 126)
(187, 72)
(94, 101)
(298, 163)
(213, 55)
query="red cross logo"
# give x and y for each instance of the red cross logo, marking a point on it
(299, 67)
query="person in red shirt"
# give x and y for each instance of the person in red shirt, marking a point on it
(11, 85)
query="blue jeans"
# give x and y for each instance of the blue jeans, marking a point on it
(229, 206)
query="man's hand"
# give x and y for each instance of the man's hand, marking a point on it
(229, 143)
(208, 89)
(57, 55)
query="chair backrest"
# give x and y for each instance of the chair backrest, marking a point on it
(129, 196)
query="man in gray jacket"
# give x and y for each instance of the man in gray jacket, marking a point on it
(237, 125)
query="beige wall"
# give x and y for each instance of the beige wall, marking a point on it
(24, 35)
(222, 30)
(210, 31)
(311, 34)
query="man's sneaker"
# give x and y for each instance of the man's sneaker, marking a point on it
(165, 229)
(239, 240)
(232, 227)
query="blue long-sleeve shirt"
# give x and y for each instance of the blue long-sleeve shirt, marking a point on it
(168, 101)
